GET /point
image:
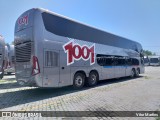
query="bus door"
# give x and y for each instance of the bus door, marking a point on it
(65, 72)
(51, 68)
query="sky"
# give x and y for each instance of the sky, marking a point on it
(138, 20)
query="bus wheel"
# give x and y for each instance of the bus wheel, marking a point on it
(133, 73)
(79, 79)
(93, 79)
(137, 72)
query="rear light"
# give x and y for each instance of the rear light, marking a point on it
(35, 68)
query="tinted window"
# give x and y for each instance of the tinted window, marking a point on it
(132, 61)
(135, 61)
(109, 62)
(68, 28)
(129, 61)
(119, 61)
(154, 60)
(105, 60)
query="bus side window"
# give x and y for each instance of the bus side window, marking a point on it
(121, 61)
(129, 61)
(103, 60)
(135, 61)
(115, 60)
(109, 61)
(100, 61)
(106, 61)
(51, 59)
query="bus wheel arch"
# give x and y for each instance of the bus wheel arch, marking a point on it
(79, 79)
(93, 78)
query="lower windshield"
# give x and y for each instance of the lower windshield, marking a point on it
(154, 60)
(146, 60)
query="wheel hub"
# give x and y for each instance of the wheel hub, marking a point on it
(79, 81)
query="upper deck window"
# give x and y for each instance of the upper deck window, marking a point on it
(68, 28)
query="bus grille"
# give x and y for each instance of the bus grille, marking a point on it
(23, 52)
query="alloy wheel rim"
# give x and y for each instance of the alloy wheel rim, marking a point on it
(78, 81)
(93, 78)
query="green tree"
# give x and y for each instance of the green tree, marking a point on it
(148, 53)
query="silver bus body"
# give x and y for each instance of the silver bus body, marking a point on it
(50, 49)
(2, 52)
(154, 60)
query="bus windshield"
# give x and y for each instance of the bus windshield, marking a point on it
(146, 60)
(154, 60)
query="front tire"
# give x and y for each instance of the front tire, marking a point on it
(79, 79)
(93, 79)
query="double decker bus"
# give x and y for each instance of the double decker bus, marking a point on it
(55, 51)
(2, 52)
(10, 59)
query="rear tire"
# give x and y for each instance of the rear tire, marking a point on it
(79, 79)
(133, 73)
(92, 79)
(137, 72)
